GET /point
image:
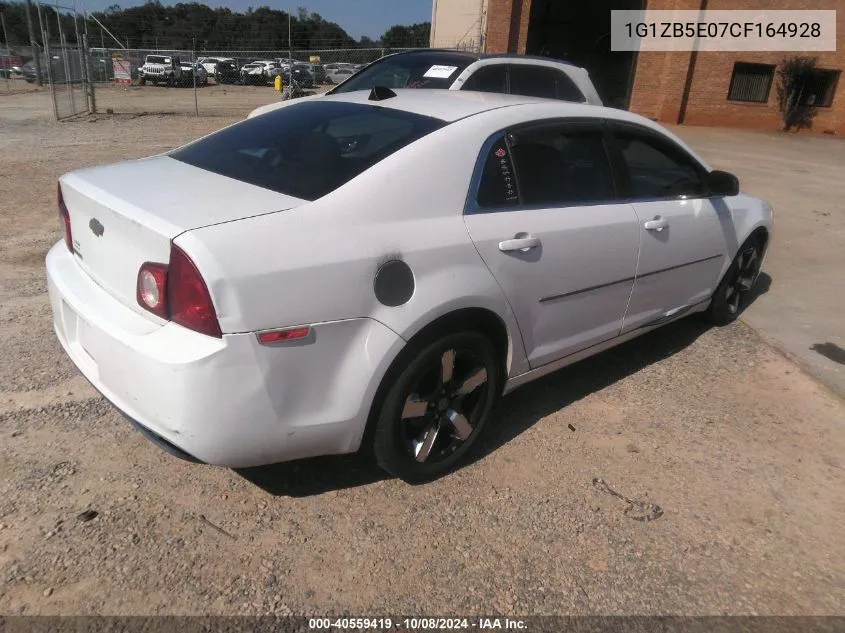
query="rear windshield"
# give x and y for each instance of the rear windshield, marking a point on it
(308, 149)
(417, 70)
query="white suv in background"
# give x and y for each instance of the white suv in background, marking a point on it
(452, 70)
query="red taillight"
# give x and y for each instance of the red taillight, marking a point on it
(151, 291)
(188, 297)
(64, 214)
(177, 292)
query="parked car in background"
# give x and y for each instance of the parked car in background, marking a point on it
(304, 74)
(29, 74)
(259, 72)
(188, 72)
(452, 70)
(301, 75)
(210, 64)
(337, 74)
(159, 69)
(318, 71)
(227, 72)
(376, 268)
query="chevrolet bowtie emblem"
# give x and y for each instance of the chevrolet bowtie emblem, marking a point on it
(96, 228)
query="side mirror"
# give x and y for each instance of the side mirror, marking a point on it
(721, 183)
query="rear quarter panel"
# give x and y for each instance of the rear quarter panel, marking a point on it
(318, 262)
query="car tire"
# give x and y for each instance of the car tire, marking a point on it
(441, 393)
(732, 294)
(141, 81)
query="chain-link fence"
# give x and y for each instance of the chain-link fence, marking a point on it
(63, 60)
(54, 57)
(14, 53)
(215, 82)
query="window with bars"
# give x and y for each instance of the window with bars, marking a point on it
(819, 88)
(751, 82)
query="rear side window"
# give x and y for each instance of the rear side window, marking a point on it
(309, 149)
(497, 187)
(545, 82)
(562, 166)
(488, 79)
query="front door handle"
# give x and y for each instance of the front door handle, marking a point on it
(657, 224)
(523, 244)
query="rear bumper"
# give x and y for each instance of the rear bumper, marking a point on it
(231, 401)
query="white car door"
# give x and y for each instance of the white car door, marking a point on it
(683, 231)
(545, 217)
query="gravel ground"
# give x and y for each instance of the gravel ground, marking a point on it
(742, 451)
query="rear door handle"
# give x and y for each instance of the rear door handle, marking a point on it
(523, 244)
(657, 224)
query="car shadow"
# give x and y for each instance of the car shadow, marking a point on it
(314, 476)
(542, 397)
(517, 411)
(761, 287)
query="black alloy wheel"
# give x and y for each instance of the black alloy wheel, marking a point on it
(437, 406)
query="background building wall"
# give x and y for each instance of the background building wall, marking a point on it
(661, 77)
(507, 26)
(455, 23)
(682, 87)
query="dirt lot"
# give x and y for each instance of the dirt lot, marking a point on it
(803, 178)
(741, 449)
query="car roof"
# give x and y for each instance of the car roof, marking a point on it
(472, 57)
(447, 105)
(451, 105)
(536, 58)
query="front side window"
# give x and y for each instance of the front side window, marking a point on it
(658, 168)
(544, 82)
(309, 149)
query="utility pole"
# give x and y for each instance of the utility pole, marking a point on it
(194, 73)
(89, 78)
(36, 50)
(7, 65)
(290, 49)
(481, 27)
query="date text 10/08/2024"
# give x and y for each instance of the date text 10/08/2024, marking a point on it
(420, 624)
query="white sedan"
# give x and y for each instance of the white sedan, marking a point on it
(375, 269)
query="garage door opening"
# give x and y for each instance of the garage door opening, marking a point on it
(579, 31)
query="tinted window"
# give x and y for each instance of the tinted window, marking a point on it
(545, 82)
(559, 166)
(497, 187)
(307, 150)
(488, 79)
(414, 70)
(658, 169)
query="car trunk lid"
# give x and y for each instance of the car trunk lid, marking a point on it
(126, 214)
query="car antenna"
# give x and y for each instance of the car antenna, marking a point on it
(380, 93)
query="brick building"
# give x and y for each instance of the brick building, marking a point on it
(705, 88)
